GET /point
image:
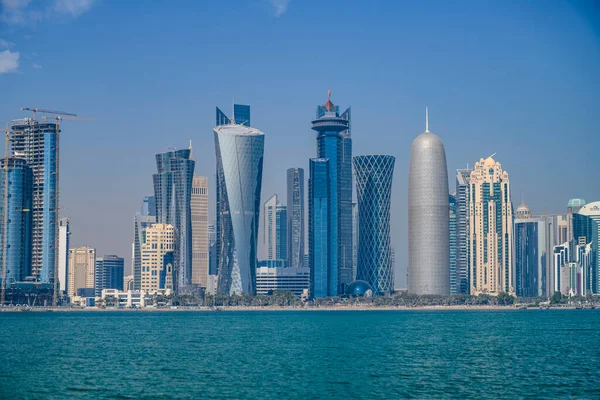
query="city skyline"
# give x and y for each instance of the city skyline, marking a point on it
(469, 126)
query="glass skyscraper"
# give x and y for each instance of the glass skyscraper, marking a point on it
(462, 230)
(109, 273)
(239, 152)
(241, 116)
(454, 276)
(323, 278)
(586, 231)
(530, 255)
(295, 217)
(35, 142)
(18, 227)
(173, 194)
(281, 232)
(335, 144)
(374, 175)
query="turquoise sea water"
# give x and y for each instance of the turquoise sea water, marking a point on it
(301, 354)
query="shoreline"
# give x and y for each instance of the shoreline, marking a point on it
(270, 309)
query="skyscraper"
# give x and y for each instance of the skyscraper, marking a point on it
(531, 259)
(269, 228)
(141, 221)
(36, 143)
(334, 144)
(82, 269)
(239, 153)
(158, 266)
(173, 194)
(16, 230)
(491, 229)
(454, 273)
(354, 240)
(462, 230)
(241, 116)
(295, 217)
(374, 192)
(428, 241)
(573, 207)
(199, 210)
(109, 273)
(323, 277)
(281, 228)
(64, 233)
(586, 231)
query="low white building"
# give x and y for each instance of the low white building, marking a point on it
(128, 299)
(294, 280)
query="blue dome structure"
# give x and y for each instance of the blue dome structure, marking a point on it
(359, 289)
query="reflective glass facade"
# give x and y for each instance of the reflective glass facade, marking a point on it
(295, 217)
(173, 193)
(334, 143)
(374, 175)
(239, 152)
(586, 230)
(281, 233)
(36, 143)
(109, 273)
(17, 246)
(530, 257)
(462, 230)
(323, 278)
(241, 115)
(454, 277)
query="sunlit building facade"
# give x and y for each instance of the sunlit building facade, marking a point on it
(17, 245)
(82, 270)
(491, 229)
(374, 175)
(239, 154)
(531, 258)
(158, 263)
(295, 217)
(199, 211)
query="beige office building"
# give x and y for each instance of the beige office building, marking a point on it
(199, 209)
(157, 258)
(82, 269)
(491, 229)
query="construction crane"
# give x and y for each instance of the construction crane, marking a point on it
(61, 115)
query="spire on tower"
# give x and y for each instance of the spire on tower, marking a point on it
(191, 154)
(426, 120)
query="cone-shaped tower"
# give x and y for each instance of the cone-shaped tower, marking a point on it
(428, 216)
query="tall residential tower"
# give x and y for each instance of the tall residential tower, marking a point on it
(295, 217)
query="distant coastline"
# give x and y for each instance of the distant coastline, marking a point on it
(275, 308)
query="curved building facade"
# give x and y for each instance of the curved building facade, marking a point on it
(428, 217)
(374, 192)
(239, 151)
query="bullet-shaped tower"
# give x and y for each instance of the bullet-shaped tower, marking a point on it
(428, 216)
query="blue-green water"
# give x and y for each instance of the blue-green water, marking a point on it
(296, 354)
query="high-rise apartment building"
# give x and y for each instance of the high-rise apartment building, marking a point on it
(142, 220)
(462, 230)
(531, 258)
(82, 269)
(199, 210)
(354, 240)
(16, 230)
(269, 228)
(374, 175)
(64, 234)
(36, 143)
(173, 194)
(454, 275)
(335, 145)
(158, 259)
(295, 217)
(428, 239)
(239, 153)
(491, 229)
(109, 274)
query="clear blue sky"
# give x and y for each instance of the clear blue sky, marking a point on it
(519, 78)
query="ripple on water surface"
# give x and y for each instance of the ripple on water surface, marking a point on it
(297, 354)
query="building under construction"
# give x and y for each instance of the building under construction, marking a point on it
(36, 143)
